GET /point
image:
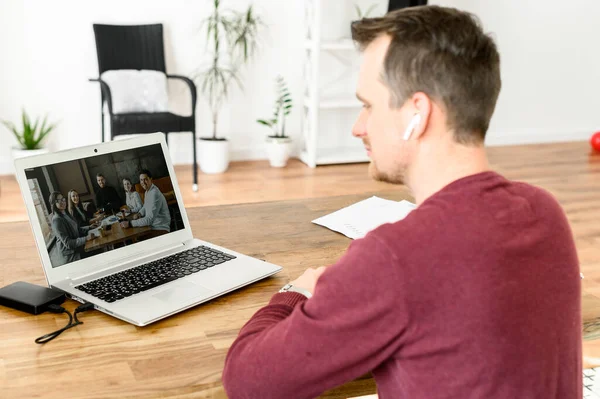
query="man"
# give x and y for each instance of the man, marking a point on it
(155, 212)
(107, 197)
(475, 294)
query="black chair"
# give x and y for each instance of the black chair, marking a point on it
(139, 47)
(397, 4)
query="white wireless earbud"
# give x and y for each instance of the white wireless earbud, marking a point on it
(411, 126)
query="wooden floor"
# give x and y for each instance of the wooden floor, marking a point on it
(570, 171)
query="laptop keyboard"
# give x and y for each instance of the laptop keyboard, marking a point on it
(150, 275)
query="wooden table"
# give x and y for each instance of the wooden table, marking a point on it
(182, 355)
(116, 235)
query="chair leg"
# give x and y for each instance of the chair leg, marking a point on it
(195, 162)
(102, 122)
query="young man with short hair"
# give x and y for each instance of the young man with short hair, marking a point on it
(475, 294)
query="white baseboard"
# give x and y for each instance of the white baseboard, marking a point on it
(536, 136)
(6, 167)
(184, 156)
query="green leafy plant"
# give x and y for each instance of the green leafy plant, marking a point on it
(31, 135)
(283, 107)
(366, 14)
(233, 39)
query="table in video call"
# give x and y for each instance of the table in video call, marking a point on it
(182, 355)
(116, 235)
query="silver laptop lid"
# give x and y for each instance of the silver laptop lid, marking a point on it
(56, 232)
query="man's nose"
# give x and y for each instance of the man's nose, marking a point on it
(360, 127)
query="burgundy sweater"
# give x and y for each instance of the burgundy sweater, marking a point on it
(475, 294)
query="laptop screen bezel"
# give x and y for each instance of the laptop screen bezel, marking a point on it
(117, 256)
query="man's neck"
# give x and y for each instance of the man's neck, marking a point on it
(439, 166)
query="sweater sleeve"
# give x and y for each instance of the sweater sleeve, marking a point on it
(300, 348)
(137, 200)
(148, 212)
(61, 234)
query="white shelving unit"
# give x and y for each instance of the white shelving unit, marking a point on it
(316, 103)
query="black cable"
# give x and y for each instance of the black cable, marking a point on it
(59, 309)
(80, 309)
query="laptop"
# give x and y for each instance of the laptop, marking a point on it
(131, 254)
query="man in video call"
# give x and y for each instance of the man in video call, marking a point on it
(155, 212)
(107, 197)
(475, 294)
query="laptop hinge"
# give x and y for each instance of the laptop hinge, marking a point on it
(124, 261)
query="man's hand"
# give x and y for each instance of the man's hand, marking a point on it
(135, 216)
(308, 280)
(124, 224)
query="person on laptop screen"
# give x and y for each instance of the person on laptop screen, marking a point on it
(476, 293)
(107, 197)
(70, 236)
(155, 212)
(132, 197)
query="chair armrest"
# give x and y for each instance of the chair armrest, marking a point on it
(105, 93)
(192, 87)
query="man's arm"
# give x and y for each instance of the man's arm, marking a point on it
(61, 232)
(299, 348)
(115, 201)
(99, 199)
(147, 212)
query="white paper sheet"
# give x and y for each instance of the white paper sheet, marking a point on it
(356, 220)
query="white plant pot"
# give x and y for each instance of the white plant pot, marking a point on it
(278, 150)
(17, 152)
(213, 156)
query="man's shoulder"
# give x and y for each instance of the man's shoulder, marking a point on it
(419, 226)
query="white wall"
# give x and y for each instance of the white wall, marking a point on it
(550, 60)
(47, 53)
(550, 67)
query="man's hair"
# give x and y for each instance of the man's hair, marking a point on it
(444, 53)
(99, 175)
(146, 172)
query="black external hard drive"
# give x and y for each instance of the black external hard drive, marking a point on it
(29, 297)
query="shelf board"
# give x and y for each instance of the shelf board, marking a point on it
(343, 44)
(331, 156)
(335, 102)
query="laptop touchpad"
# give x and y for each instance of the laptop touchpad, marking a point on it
(182, 291)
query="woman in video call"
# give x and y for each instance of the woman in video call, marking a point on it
(76, 210)
(132, 197)
(70, 237)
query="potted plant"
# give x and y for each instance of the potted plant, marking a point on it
(233, 39)
(364, 14)
(30, 136)
(278, 144)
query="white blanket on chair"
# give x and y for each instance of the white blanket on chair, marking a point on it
(137, 90)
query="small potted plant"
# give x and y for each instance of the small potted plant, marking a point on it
(278, 144)
(360, 14)
(233, 39)
(30, 136)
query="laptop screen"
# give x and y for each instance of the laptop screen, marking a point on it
(100, 203)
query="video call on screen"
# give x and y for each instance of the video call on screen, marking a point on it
(104, 202)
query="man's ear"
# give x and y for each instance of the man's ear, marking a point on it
(420, 103)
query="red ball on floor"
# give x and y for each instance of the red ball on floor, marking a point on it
(595, 141)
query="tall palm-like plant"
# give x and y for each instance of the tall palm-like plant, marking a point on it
(233, 39)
